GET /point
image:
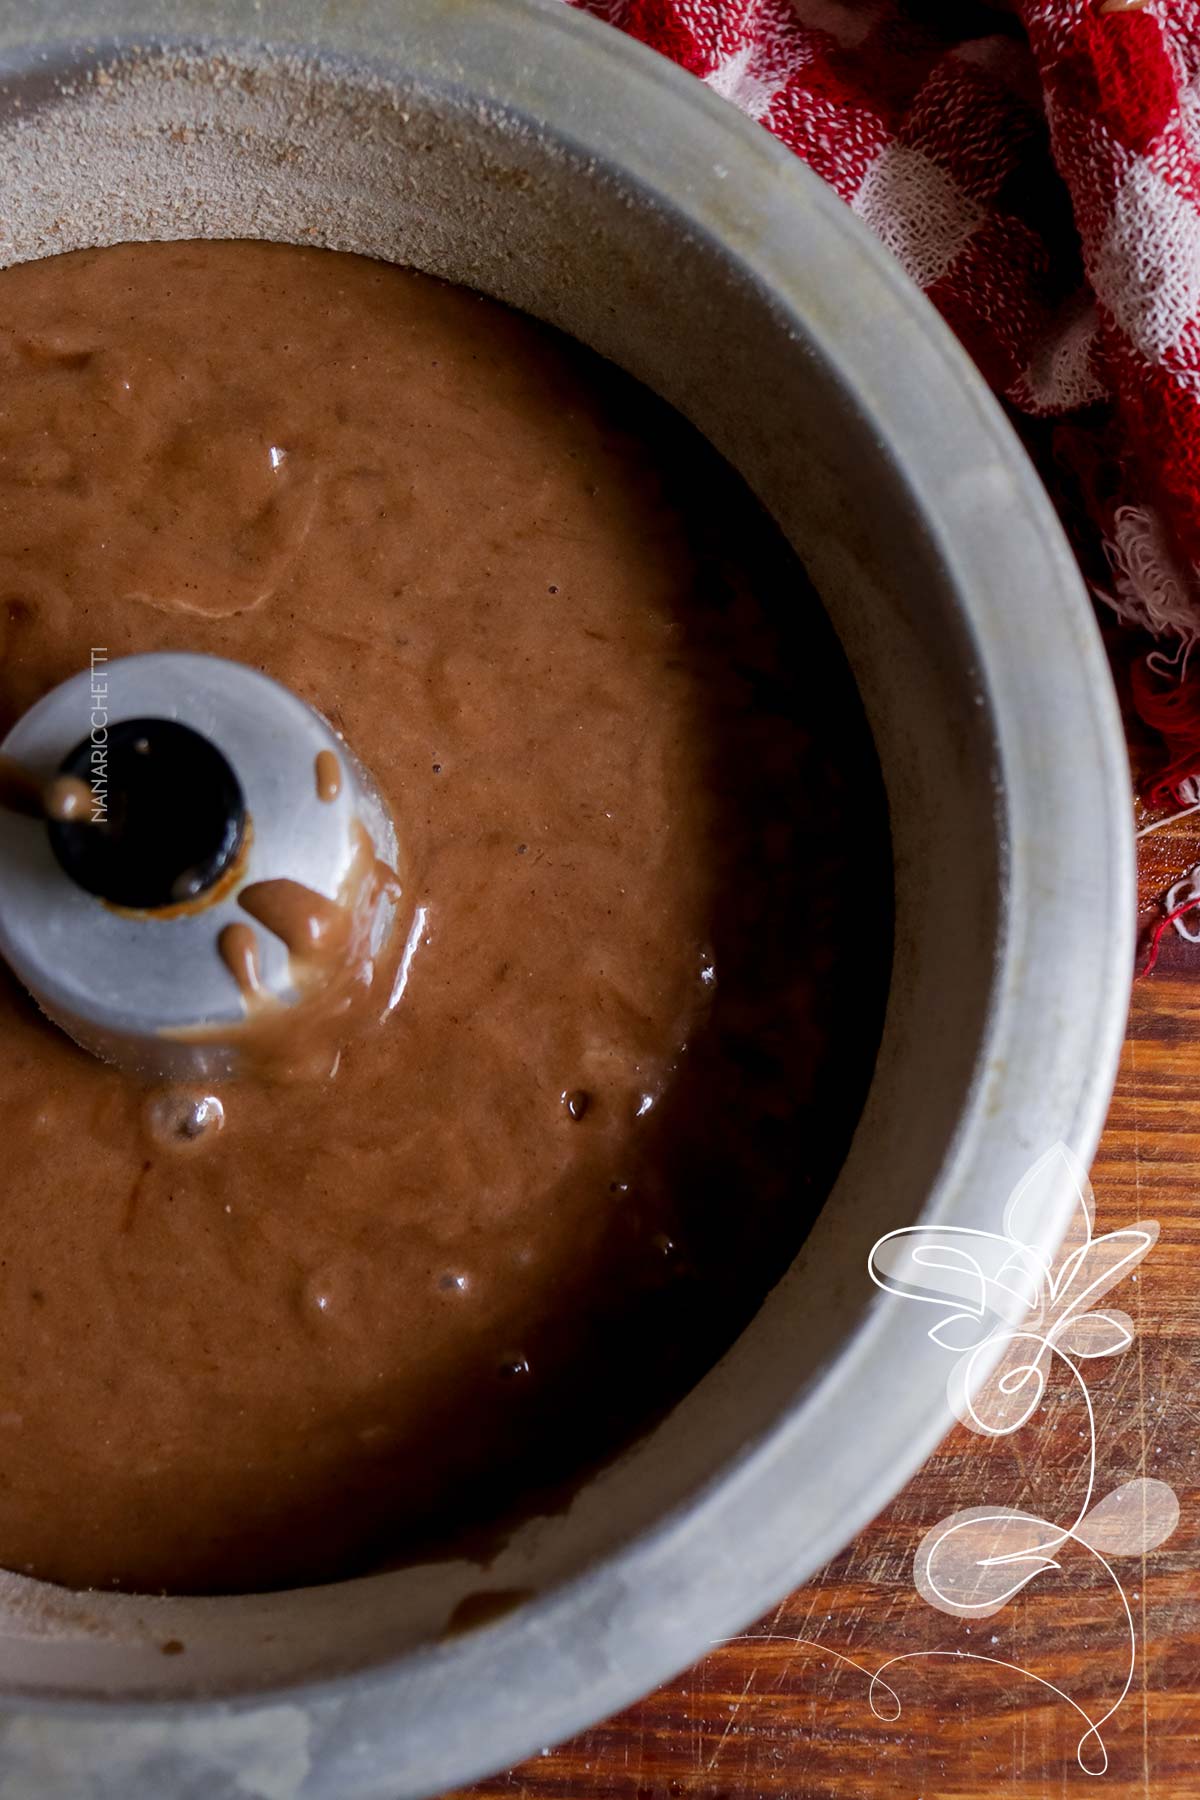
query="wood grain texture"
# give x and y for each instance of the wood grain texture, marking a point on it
(781, 1713)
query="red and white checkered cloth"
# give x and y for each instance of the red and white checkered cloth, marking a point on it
(1036, 169)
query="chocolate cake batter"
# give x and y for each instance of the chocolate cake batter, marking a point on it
(281, 1332)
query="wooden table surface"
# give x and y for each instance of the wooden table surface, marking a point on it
(770, 1714)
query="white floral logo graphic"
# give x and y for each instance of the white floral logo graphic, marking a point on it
(1007, 1314)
